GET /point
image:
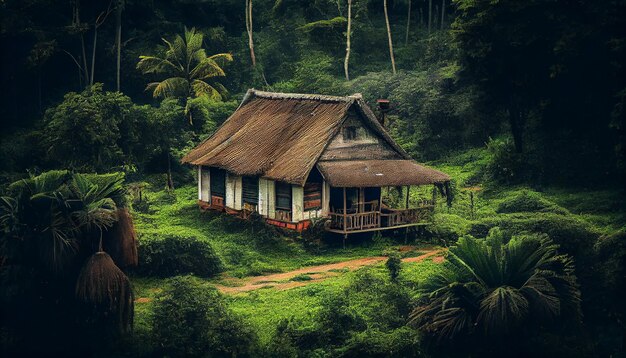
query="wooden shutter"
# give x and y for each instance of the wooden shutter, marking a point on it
(312, 196)
(283, 196)
(250, 190)
(218, 182)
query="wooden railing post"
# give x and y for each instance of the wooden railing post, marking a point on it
(344, 210)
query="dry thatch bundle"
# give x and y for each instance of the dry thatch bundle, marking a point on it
(120, 241)
(105, 288)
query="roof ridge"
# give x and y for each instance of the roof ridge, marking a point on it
(305, 96)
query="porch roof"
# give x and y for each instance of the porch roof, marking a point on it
(377, 173)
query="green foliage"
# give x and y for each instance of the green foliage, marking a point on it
(189, 68)
(368, 306)
(94, 129)
(498, 290)
(528, 201)
(313, 74)
(171, 255)
(191, 319)
(505, 165)
(322, 24)
(394, 265)
(575, 236)
(430, 116)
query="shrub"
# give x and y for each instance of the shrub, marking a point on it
(192, 320)
(394, 265)
(527, 201)
(574, 236)
(447, 228)
(367, 318)
(173, 255)
(505, 165)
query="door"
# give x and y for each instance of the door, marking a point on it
(218, 186)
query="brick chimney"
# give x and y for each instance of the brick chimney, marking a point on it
(383, 107)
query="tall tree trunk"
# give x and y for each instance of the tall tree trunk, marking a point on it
(118, 41)
(76, 23)
(249, 29)
(347, 60)
(430, 14)
(170, 181)
(93, 54)
(443, 12)
(408, 24)
(85, 68)
(393, 60)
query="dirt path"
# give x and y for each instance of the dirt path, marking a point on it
(285, 280)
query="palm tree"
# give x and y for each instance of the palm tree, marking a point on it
(494, 287)
(188, 68)
(50, 221)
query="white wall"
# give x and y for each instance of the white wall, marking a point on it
(325, 199)
(233, 191)
(199, 182)
(267, 198)
(205, 185)
(297, 203)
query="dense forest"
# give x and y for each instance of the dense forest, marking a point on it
(522, 103)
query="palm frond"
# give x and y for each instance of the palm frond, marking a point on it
(201, 88)
(206, 69)
(151, 64)
(502, 309)
(171, 87)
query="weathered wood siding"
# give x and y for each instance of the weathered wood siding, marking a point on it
(357, 141)
(267, 195)
(233, 191)
(205, 184)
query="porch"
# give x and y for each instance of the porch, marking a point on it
(357, 215)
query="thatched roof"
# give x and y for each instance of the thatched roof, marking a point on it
(377, 173)
(281, 136)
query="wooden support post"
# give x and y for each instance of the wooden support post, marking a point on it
(345, 216)
(380, 207)
(408, 189)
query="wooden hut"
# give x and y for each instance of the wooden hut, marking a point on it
(292, 158)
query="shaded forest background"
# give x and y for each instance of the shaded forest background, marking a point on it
(544, 77)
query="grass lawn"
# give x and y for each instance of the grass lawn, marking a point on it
(264, 308)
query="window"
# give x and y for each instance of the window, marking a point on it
(218, 182)
(349, 133)
(250, 188)
(283, 196)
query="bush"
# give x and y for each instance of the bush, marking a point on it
(192, 320)
(528, 201)
(505, 165)
(348, 322)
(447, 228)
(175, 255)
(394, 265)
(574, 236)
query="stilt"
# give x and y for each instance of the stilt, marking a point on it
(406, 234)
(345, 237)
